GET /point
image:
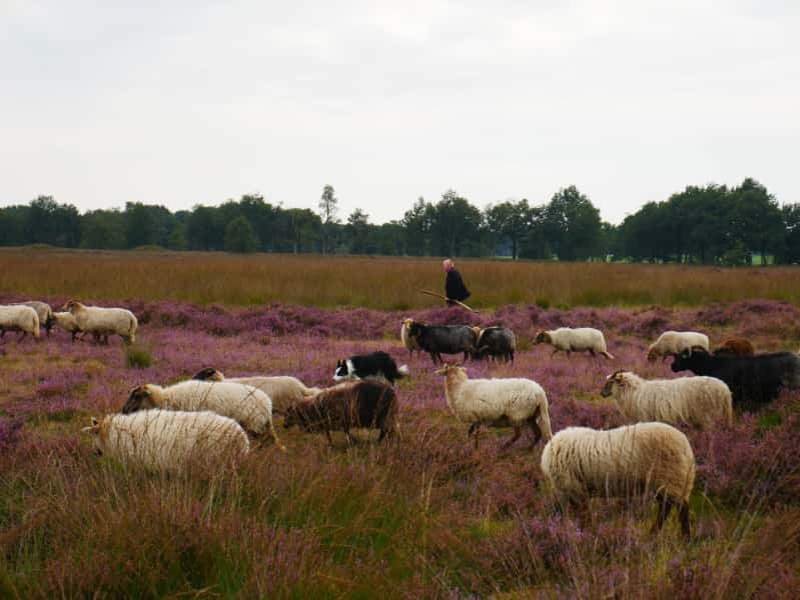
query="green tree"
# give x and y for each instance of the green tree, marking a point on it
(456, 226)
(510, 220)
(358, 231)
(240, 236)
(572, 225)
(418, 222)
(328, 210)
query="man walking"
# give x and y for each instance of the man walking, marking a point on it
(454, 287)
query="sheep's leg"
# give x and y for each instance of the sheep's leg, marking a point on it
(472, 429)
(554, 353)
(537, 433)
(330, 439)
(2, 333)
(591, 351)
(607, 355)
(683, 516)
(664, 506)
(22, 337)
(514, 438)
(477, 434)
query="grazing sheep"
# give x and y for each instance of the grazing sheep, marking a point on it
(497, 403)
(104, 321)
(699, 401)
(67, 322)
(43, 311)
(19, 318)
(368, 403)
(496, 342)
(409, 342)
(650, 458)
(671, 343)
(283, 389)
(443, 339)
(735, 347)
(580, 339)
(172, 441)
(252, 408)
(753, 380)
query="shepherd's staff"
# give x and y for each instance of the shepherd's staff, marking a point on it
(461, 304)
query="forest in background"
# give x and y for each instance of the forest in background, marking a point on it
(712, 224)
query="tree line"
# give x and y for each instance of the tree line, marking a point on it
(711, 224)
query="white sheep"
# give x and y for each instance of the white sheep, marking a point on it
(497, 403)
(671, 343)
(104, 321)
(409, 342)
(579, 339)
(172, 441)
(19, 318)
(285, 391)
(699, 401)
(43, 311)
(252, 408)
(653, 458)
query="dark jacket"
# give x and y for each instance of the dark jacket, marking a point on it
(454, 287)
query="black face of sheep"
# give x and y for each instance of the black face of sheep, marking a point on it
(542, 338)
(207, 374)
(138, 399)
(615, 378)
(690, 359)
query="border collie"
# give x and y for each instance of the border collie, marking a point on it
(363, 366)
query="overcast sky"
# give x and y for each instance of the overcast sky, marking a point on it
(184, 103)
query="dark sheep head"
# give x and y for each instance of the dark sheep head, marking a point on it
(689, 359)
(208, 374)
(140, 398)
(543, 337)
(616, 378)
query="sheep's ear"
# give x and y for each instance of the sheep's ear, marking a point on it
(93, 429)
(95, 422)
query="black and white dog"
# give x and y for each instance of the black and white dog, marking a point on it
(363, 366)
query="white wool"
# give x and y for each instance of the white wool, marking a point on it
(582, 462)
(491, 400)
(409, 342)
(105, 321)
(251, 407)
(675, 342)
(579, 339)
(66, 321)
(171, 440)
(19, 318)
(284, 390)
(699, 401)
(43, 310)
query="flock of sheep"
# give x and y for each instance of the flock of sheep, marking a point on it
(212, 418)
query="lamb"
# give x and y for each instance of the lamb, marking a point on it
(169, 441)
(496, 342)
(104, 321)
(43, 311)
(672, 343)
(366, 403)
(252, 408)
(653, 458)
(497, 403)
(580, 339)
(443, 339)
(67, 322)
(284, 390)
(699, 401)
(735, 347)
(19, 318)
(409, 342)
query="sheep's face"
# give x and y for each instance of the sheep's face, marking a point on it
(71, 306)
(543, 337)
(408, 322)
(617, 379)
(415, 328)
(651, 354)
(451, 369)
(140, 398)
(209, 374)
(94, 431)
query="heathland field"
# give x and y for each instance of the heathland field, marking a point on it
(425, 515)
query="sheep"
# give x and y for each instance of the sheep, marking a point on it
(497, 403)
(671, 343)
(699, 401)
(753, 380)
(169, 441)
(366, 403)
(67, 322)
(497, 342)
(283, 389)
(43, 311)
(443, 339)
(580, 339)
(735, 347)
(252, 408)
(104, 321)
(409, 342)
(19, 318)
(650, 458)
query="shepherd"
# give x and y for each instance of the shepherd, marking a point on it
(454, 287)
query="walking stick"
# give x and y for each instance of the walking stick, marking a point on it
(461, 304)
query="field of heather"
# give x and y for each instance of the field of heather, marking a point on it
(423, 516)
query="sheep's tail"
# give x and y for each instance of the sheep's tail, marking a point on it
(274, 435)
(544, 420)
(311, 392)
(607, 355)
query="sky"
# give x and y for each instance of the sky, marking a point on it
(184, 103)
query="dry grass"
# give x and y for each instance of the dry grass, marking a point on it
(373, 282)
